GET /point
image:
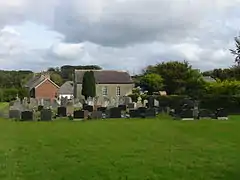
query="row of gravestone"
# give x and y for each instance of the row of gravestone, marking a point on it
(102, 112)
(191, 114)
(45, 115)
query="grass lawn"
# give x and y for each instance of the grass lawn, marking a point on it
(120, 150)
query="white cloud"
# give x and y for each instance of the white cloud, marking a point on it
(121, 34)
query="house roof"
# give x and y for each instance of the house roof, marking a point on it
(37, 80)
(208, 79)
(105, 77)
(66, 88)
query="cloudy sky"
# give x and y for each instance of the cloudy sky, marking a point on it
(117, 34)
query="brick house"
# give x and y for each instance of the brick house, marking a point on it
(42, 87)
(109, 83)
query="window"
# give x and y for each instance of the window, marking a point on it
(105, 91)
(118, 91)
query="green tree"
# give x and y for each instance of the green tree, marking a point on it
(88, 85)
(151, 82)
(175, 75)
(236, 51)
(55, 77)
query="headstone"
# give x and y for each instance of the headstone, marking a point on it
(62, 111)
(205, 114)
(55, 104)
(102, 109)
(88, 108)
(96, 115)
(14, 114)
(131, 106)
(115, 112)
(156, 103)
(122, 107)
(150, 113)
(187, 114)
(127, 100)
(70, 110)
(47, 103)
(151, 102)
(78, 105)
(139, 104)
(134, 113)
(27, 116)
(90, 101)
(64, 101)
(221, 114)
(145, 103)
(79, 114)
(46, 115)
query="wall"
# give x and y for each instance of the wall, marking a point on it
(46, 90)
(125, 89)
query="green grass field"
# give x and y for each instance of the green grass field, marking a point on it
(120, 149)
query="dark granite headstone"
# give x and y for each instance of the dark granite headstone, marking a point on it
(221, 114)
(79, 114)
(46, 115)
(134, 113)
(115, 112)
(151, 112)
(97, 115)
(205, 114)
(88, 108)
(151, 102)
(123, 107)
(14, 114)
(62, 111)
(186, 114)
(27, 116)
(102, 109)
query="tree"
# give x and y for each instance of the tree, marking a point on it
(55, 77)
(236, 51)
(88, 85)
(175, 75)
(151, 82)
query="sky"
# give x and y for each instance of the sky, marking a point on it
(117, 34)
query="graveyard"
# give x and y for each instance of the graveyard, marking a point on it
(116, 139)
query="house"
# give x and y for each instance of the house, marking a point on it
(109, 83)
(42, 87)
(208, 79)
(66, 90)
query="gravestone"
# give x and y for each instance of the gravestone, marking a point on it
(156, 103)
(46, 115)
(150, 113)
(122, 107)
(205, 114)
(151, 102)
(115, 112)
(97, 115)
(88, 108)
(55, 104)
(90, 101)
(46, 103)
(134, 113)
(70, 110)
(131, 106)
(221, 114)
(79, 114)
(64, 101)
(62, 111)
(127, 100)
(102, 109)
(78, 105)
(187, 114)
(145, 103)
(14, 114)
(27, 116)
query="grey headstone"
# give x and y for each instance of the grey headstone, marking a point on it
(96, 115)
(46, 115)
(14, 114)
